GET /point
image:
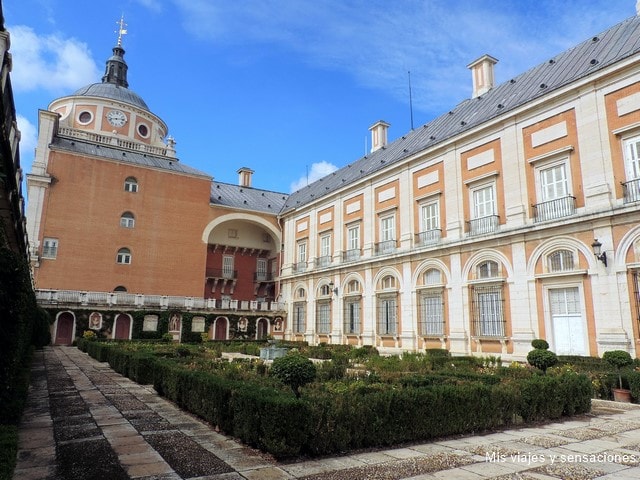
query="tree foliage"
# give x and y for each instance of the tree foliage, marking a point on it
(294, 370)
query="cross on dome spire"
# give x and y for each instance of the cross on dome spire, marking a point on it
(121, 29)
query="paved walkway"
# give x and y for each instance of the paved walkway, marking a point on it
(84, 421)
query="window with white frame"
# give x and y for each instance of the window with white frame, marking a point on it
(484, 201)
(127, 220)
(227, 266)
(560, 261)
(131, 185)
(430, 216)
(323, 316)
(353, 242)
(487, 302)
(388, 228)
(325, 250)
(301, 262)
(632, 169)
(325, 290)
(554, 190)
(124, 256)
(431, 304)
(49, 247)
(299, 314)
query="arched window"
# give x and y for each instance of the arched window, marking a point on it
(352, 306)
(560, 261)
(353, 286)
(300, 293)
(120, 288)
(131, 185)
(488, 269)
(127, 220)
(124, 256)
(387, 303)
(433, 276)
(388, 282)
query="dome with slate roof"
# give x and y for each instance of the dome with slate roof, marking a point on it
(109, 112)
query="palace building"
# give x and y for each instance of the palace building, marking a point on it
(511, 217)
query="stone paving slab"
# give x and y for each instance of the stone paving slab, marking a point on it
(77, 404)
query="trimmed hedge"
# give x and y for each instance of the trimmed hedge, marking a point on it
(360, 415)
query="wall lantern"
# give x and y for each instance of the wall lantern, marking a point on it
(334, 290)
(597, 251)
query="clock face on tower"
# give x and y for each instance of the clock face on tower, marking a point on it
(116, 118)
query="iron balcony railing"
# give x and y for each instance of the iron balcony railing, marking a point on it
(300, 267)
(351, 255)
(479, 226)
(263, 277)
(138, 301)
(221, 273)
(323, 261)
(631, 191)
(388, 246)
(558, 208)
(428, 237)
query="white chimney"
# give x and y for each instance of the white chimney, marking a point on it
(378, 135)
(482, 74)
(244, 177)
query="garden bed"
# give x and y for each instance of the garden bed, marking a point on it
(359, 399)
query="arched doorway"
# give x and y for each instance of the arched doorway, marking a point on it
(262, 328)
(220, 329)
(122, 327)
(64, 329)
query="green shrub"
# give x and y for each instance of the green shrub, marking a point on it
(618, 359)
(540, 344)
(294, 370)
(542, 359)
(8, 450)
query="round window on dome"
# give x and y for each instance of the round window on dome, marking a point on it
(85, 117)
(143, 130)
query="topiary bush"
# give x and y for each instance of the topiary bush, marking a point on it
(618, 359)
(542, 359)
(540, 344)
(294, 370)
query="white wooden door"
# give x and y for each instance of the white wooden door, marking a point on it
(569, 328)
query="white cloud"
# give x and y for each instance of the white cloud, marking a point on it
(28, 140)
(316, 172)
(49, 62)
(377, 42)
(153, 5)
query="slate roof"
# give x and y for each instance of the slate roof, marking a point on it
(112, 91)
(248, 198)
(127, 156)
(611, 46)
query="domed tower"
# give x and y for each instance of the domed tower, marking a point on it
(111, 112)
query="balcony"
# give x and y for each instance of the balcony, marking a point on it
(124, 300)
(351, 255)
(428, 237)
(221, 273)
(482, 225)
(263, 277)
(558, 208)
(631, 191)
(300, 267)
(388, 246)
(323, 261)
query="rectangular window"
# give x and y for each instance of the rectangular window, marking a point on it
(325, 245)
(483, 201)
(302, 252)
(299, 317)
(323, 317)
(387, 316)
(261, 269)
(388, 228)
(488, 314)
(553, 182)
(632, 170)
(50, 248)
(432, 313)
(352, 316)
(353, 238)
(227, 266)
(430, 216)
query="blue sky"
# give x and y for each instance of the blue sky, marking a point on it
(288, 88)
